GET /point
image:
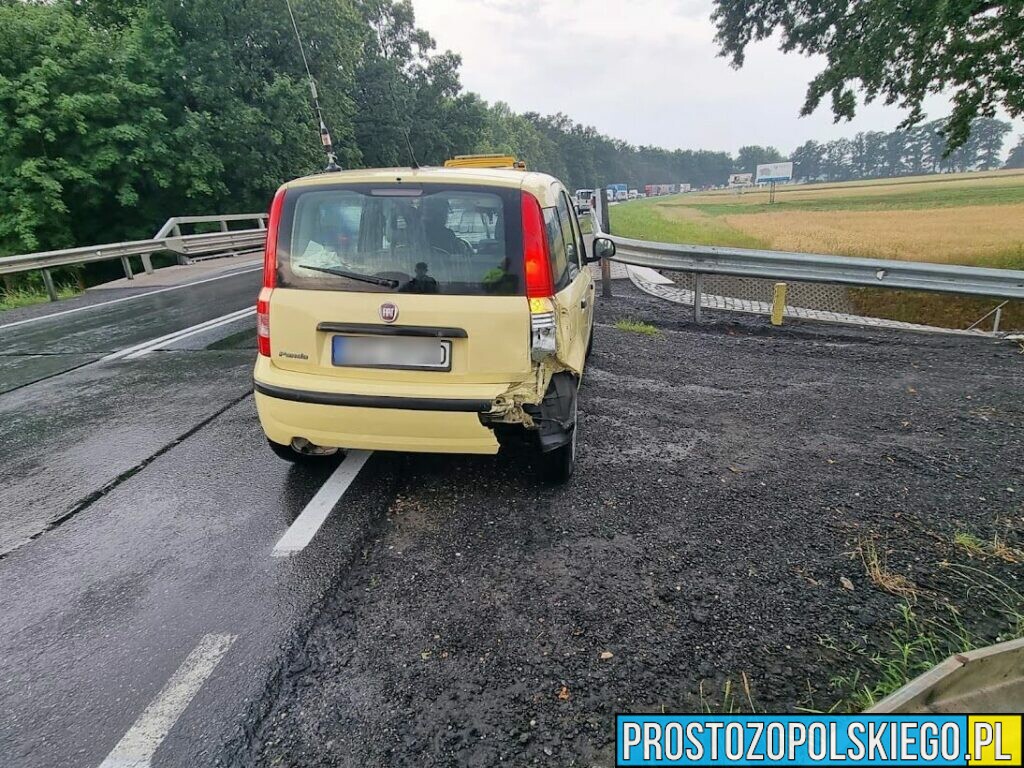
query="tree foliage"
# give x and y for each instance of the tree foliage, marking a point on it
(899, 51)
(910, 152)
(1016, 158)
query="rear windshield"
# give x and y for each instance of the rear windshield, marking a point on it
(402, 238)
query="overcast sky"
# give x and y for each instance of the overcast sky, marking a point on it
(641, 70)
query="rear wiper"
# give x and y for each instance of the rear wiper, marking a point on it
(387, 282)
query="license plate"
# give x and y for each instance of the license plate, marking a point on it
(395, 352)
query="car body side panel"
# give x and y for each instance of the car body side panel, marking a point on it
(574, 303)
(573, 323)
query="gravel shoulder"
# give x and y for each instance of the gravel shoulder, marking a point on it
(734, 480)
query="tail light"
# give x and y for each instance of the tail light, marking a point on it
(540, 286)
(536, 255)
(269, 276)
(263, 322)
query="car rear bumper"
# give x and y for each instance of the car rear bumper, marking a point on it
(453, 405)
(374, 429)
(331, 414)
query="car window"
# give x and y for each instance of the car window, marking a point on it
(577, 233)
(556, 244)
(427, 238)
(572, 250)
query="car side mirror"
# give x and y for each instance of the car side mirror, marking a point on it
(603, 248)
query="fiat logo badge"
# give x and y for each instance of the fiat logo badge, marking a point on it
(388, 312)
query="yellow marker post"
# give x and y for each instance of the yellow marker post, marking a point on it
(778, 303)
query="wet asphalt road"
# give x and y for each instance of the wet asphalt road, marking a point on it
(71, 425)
(33, 347)
(453, 611)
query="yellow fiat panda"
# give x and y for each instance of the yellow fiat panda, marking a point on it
(443, 310)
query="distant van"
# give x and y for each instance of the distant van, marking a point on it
(581, 199)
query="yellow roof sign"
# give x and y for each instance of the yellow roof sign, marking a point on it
(485, 161)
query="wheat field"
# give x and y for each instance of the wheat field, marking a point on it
(990, 235)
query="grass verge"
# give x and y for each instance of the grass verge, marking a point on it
(26, 297)
(652, 220)
(974, 546)
(916, 643)
(945, 311)
(636, 326)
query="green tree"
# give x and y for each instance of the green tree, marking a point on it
(899, 51)
(1016, 158)
(748, 158)
(990, 135)
(807, 161)
(83, 137)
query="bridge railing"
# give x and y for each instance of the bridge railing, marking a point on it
(169, 237)
(805, 267)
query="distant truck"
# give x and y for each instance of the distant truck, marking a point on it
(634, 194)
(684, 188)
(620, 192)
(656, 190)
(582, 200)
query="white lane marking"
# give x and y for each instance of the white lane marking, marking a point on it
(152, 344)
(193, 331)
(137, 747)
(319, 507)
(129, 298)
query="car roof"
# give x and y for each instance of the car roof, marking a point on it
(542, 186)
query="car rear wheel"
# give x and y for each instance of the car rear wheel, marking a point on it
(312, 454)
(557, 466)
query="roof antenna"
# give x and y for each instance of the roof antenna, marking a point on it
(414, 163)
(325, 135)
(412, 155)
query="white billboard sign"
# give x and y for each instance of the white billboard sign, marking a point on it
(774, 172)
(741, 179)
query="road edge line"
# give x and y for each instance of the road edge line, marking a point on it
(301, 532)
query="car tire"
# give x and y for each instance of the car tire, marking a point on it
(557, 466)
(288, 453)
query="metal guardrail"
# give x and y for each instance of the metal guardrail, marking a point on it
(168, 238)
(808, 267)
